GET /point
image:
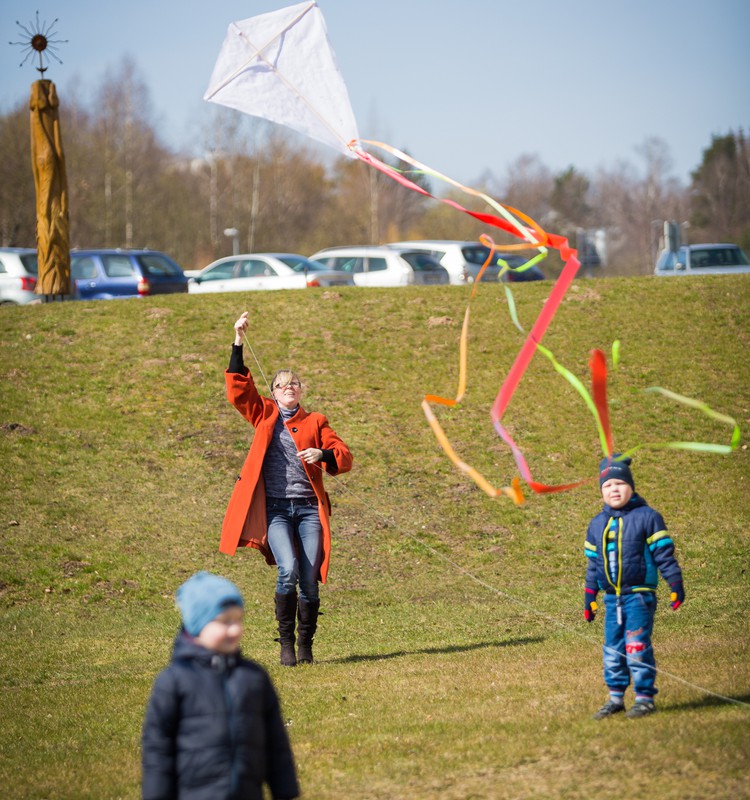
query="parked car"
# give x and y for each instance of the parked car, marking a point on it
(252, 271)
(385, 265)
(516, 275)
(110, 274)
(703, 259)
(18, 275)
(463, 260)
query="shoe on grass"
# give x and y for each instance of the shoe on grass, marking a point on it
(641, 709)
(608, 709)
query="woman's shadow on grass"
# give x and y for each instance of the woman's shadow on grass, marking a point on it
(454, 648)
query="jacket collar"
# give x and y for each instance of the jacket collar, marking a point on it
(636, 501)
(297, 417)
(187, 649)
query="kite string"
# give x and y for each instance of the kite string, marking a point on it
(338, 479)
(523, 603)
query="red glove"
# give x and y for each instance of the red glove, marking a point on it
(589, 604)
(678, 594)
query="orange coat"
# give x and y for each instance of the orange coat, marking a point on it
(245, 520)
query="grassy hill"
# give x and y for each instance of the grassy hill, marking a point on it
(453, 660)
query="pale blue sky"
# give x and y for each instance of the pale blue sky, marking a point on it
(464, 85)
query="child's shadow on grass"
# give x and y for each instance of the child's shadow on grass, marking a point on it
(454, 648)
(710, 701)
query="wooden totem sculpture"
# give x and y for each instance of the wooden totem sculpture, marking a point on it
(48, 163)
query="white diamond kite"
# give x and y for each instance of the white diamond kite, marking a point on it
(281, 66)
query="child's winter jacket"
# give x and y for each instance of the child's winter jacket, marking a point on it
(627, 548)
(213, 730)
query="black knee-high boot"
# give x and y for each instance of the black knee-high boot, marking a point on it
(308, 624)
(286, 611)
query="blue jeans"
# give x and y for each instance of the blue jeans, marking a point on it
(627, 646)
(295, 537)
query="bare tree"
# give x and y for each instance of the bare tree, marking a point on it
(632, 207)
(721, 191)
(17, 196)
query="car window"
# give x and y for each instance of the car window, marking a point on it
(118, 266)
(82, 268)
(159, 267)
(716, 257)
(702, 259)
(376, 264)
(348, 264)
(254, 268)
(300, 264)
(436, 254)
(221, 272)
(476, 254)
(2, 266)
(421, 262)
(30, 262)
(514, 262)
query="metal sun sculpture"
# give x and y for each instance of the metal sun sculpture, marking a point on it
(40, 41)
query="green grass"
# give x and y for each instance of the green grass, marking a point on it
(453, 661)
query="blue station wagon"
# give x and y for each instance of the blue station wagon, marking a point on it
(110, 274)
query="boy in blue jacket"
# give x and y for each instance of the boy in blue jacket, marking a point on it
(627, 546)
(213, 727)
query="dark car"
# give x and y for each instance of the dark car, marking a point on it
(517, 275)
(110, 274)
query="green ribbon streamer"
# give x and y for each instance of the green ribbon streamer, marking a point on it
(581, 389)
(616, 352)
(702, 447)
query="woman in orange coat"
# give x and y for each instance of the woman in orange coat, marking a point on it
(279, 505)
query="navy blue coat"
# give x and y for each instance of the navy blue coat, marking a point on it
(213, 730)
(639, 549)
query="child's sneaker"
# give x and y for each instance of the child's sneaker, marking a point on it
(641, 709)
(609, 708)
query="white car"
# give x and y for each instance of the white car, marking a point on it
(386, 265)
(703, 259)
(243, 273)
(18, 276)
(463, 260)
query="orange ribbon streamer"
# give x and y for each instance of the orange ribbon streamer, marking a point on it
(536, 237)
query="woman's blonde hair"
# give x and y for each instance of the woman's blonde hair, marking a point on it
(284, 377)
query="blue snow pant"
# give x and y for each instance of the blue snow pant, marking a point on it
(627, 644)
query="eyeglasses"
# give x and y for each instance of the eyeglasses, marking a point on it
(293, 384)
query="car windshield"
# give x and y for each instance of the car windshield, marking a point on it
(514, 262)
(30, 262)
(477, 254)
(159, 267)
(420, 262)
(221, 272)
(300, 264)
